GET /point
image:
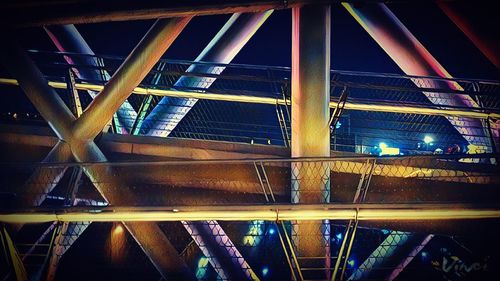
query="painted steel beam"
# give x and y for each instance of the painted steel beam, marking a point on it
(170, 111)
(401, 266)
(37, 13)
(272, 101)
(306, 212)
(223, 255)
(44, 179)
(46, 100)
(226, 44)
(485, 39)
(414, 59)
(132, 71)
(159, 250)
(68, 233)
(311, 130)
(67, 39)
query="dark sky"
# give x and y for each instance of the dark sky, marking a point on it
(352, 47)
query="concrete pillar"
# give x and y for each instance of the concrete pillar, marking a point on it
(310, 128)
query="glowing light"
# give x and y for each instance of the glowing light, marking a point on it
(351, 262)
(254, 234)
(201, 269)
(265, 271)
(271, 231)
(339, 236)
(118, 230)
(428, 139)
(424, 254)
(338, 125)
(117, 243)
(386, 150)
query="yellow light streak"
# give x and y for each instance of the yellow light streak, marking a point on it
(272, 101)
(265, 213)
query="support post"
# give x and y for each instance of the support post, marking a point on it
(310, 128)
(61, 120)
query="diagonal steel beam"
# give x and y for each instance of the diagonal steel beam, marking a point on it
(35, 86)
(169, 112)
(67, 39)
(132, 71)
(414, 59)
(223, 255)
(487, 42)
(44, 179)
(61, 119)
(222, 49)
(39, 13)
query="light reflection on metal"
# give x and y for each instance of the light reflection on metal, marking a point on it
(414, 59)
(260, 212)
(68, 233)
(311, 131)
(487, 43)
(67, 39)
(226, 44)
(224, 257)
(254, 233)
(272, 101)
(135, 67)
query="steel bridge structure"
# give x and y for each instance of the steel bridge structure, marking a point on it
(211, 170)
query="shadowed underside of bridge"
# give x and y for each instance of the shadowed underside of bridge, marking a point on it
(206, 170)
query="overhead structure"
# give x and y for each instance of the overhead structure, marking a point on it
(311, 129)
(88, 67)
(36, 13)
(116, 92)
(211, 189)
(222, 49)
(485, 39)
(414, 59)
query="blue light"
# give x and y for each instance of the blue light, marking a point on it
(265, 271)
(428, 139)
(338, 125)
(339, 236)
(351, 262)
(385, 231)
(271, 231)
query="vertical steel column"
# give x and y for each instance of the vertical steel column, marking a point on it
(310, 128)
(226, 44)
(414, 59)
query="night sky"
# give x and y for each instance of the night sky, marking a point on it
(352, 48)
